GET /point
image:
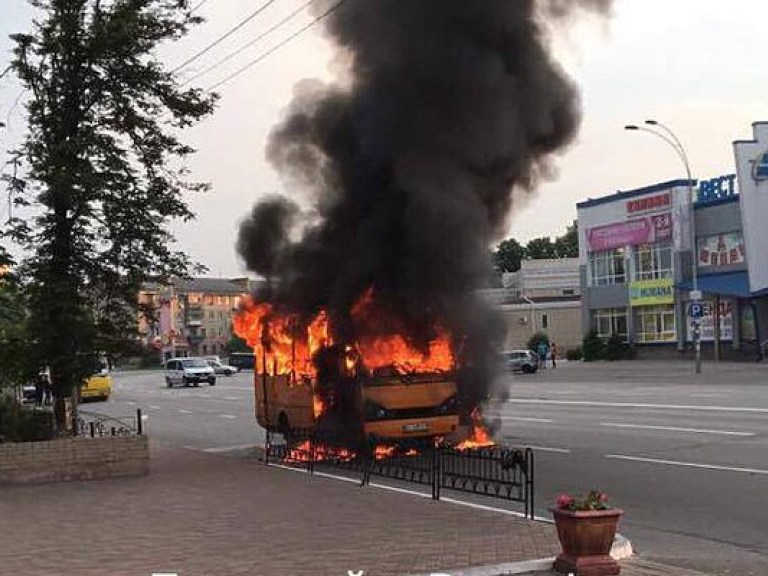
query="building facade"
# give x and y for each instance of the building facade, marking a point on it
(192, 316)
(642, 252)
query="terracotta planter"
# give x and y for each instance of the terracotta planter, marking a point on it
(586, 539)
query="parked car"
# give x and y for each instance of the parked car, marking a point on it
(220, 368)
(189, 372)
(525, 361)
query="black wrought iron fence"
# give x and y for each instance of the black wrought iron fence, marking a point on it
(497, 471)
(92, 425)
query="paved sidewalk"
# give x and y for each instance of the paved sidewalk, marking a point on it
(199, 514)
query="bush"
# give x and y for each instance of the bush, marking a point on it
(574, 354)
(20, 424)
(592, 347)
(536, 339)
(615, 348)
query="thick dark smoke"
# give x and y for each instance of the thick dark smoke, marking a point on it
(452, 105)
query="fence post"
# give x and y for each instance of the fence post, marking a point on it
(267, 447)
(92, 426)
(529, 483)
(139, 422)
(437, 472)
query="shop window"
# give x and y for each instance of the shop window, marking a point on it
(610, 321)
(653, 261)
(655, 324)
(607, 267)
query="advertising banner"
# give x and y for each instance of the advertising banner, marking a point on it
(631, 233)
(708, 321)
(651, 292)
(721, 249)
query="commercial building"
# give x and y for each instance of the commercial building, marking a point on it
(192, 316)
(641, 253)
(543, 296)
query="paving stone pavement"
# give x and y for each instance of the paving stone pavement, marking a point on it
(200, 514)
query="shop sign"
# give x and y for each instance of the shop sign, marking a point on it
(716, 189)
(651, 292)
(707, 321)
(631, 233)
(721, 249)
(649, 203)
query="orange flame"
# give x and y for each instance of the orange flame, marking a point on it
(480, 437)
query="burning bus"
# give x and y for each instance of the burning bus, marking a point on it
(374, 387)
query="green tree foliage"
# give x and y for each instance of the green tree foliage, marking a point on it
(616, 348)
(16, 363)
(237, 344)
(536, 339)
(508, 256)
(104, 171)
(510, 253)
(592, 347)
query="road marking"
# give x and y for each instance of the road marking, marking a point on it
(676, 429)
(521, 419)
(185, 411)
(548, 449)
(231, 398)
(216, 449)
(228, 416)
(688, 464)
(131, 403)
(154, 407)
(635, 405)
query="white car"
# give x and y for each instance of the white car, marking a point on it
(220, 368)
(189, 372)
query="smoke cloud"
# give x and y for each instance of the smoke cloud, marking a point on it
(452, 105)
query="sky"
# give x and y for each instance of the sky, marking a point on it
(696, 65)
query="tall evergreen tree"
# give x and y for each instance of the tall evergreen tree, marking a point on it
(104, 172)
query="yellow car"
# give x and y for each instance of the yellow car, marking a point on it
(98, 386)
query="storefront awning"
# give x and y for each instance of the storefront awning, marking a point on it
(735, 284)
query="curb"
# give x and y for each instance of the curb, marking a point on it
(508, 569)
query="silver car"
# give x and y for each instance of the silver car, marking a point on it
(525, 361)
(189, 372)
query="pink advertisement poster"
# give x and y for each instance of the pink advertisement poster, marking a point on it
(631, 233)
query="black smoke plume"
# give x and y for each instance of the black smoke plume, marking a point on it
(451, 105)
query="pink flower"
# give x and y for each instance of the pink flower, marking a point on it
(603, 497)
(563, 501)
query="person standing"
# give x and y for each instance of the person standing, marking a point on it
(553, 354)
(542, 350)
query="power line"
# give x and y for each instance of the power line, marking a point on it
(278, 46)
(226, 35)
(244, 47)
(197, 6)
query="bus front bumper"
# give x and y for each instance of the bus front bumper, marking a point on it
(413, 427)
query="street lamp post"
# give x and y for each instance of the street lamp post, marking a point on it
(665, 133)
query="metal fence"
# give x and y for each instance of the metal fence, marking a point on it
(497, 471)
(93, 425)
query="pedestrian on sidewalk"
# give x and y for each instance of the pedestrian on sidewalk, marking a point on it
(47, 390)
(553, 354)
(542, 351)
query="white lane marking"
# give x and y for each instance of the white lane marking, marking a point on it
(676, 429)
(204, 395)
(231, 398)
(185, 411)
(521, 419)
(154, 407)
(548, 449)
(131, 402)
(216, 449)
(228, 416)
(636, 405)
(688, 464)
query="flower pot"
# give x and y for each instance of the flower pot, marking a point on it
(586, 539)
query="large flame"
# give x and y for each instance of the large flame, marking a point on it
(282, 346)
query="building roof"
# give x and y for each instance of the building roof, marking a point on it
(203, 285)
(623, 195)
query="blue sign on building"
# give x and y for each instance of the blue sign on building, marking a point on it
(717, 189)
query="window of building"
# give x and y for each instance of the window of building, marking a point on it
(653, 261)
(610, 321)
(607, 267)
(655, 324)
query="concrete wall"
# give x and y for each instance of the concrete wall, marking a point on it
(73, 459)
(563, 325)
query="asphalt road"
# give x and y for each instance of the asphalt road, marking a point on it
(685, 456)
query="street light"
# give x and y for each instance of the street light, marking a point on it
(665, 133)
